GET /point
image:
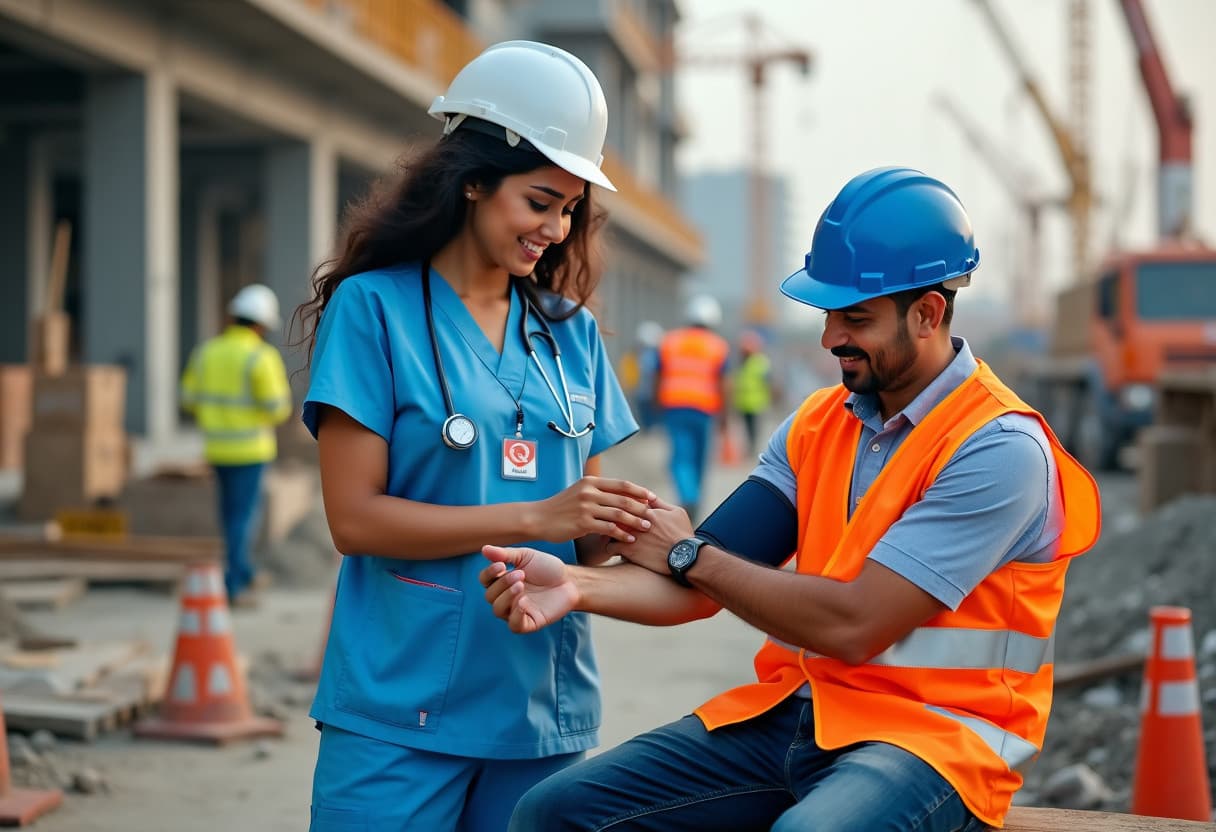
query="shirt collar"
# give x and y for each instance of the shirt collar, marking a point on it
(865, 405)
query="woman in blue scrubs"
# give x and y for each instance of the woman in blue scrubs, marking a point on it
(459, 388)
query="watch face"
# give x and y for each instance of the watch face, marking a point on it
(681, 554)
(459, 432)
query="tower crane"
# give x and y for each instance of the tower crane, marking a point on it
(1070, 146)
(756, 59)
(1172, 113)
(1019, 185)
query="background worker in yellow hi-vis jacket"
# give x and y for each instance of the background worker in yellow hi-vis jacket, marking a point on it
(236, 387)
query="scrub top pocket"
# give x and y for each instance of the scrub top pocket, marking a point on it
(399, 672)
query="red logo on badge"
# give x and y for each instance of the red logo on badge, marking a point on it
(520, 453)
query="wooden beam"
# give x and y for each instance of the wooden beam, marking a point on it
(143, 549)
(1026, 819)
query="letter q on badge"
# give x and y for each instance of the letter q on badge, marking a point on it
(518, 459)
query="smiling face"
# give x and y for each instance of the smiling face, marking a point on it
(876, 350)
(528, 212)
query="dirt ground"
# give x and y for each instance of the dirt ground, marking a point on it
(153, 786)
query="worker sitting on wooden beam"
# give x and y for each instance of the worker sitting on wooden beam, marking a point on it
(906, 676)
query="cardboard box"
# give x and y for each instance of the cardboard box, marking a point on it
(71, 469)
(86, 397)
(52, 333)
(16, 386)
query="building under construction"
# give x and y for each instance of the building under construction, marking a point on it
(193, 148)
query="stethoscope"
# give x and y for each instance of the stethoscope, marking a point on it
(458, 431)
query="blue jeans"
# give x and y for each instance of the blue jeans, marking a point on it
(763, 774)
(240, 493)
(689, 431)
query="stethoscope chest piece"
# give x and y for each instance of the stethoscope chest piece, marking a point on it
(459, 432)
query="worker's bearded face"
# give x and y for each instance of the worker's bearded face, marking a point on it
(883, 368)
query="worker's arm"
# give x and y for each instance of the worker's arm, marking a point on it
(756, 519)
(365, 520)
(188, 388)
(269, 385)
(968, 523)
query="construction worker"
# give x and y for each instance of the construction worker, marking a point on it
(906, 676)
(236, 387)
(690, 389)
(752, 387)
(642, 361)
(460, 390)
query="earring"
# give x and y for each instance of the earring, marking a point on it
(468, 194)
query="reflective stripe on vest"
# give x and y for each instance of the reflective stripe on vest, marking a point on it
(960, 648)
(1017, 753)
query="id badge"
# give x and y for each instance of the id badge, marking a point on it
(518, 458)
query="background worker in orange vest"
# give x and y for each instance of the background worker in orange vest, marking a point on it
(906, 674)
(690, 389)
(236, 387)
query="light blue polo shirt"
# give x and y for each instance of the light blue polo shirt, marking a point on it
(415, 654)
(996, 500)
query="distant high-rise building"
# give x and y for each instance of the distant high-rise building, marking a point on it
(716, 202)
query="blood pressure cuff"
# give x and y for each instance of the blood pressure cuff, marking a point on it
(756, 522)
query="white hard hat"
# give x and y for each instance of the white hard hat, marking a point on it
(703, 310)
(650, 333)
(538, 92)
(256, 303)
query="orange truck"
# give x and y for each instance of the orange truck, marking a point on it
(1148, 312)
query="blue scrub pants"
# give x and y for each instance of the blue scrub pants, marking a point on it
(240, 493)
(365, 785)
(763, 774)
(689, 431)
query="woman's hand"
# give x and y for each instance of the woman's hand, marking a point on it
(533, 595)
(595, 505)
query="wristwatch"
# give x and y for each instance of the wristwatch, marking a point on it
(682, 556)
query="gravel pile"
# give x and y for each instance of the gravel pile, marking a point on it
(1169, 558)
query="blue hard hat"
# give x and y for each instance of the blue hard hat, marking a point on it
(889, 229)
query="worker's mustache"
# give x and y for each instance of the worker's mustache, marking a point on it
(849, 352)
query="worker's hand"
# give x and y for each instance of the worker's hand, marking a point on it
(595, 505)
(669, 523)
(533, 595)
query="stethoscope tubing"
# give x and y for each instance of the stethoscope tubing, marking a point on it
(563, 401)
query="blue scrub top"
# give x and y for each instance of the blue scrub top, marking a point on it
(415, 654)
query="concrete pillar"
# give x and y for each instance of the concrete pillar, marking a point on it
(130, 259)
(301, 193)
(15, 222)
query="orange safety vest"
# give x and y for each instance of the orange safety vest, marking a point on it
(968, 691)
(690, 369)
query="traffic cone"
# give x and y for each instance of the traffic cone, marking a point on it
(728, 450)
(20, 806)
(1171, 766)
(206, 698)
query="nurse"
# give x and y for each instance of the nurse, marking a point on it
(459, 388)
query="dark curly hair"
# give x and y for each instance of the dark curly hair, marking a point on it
(409, 217)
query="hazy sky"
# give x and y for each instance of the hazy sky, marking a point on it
(869, 102)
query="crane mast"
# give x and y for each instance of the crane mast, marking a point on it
(1174, 128)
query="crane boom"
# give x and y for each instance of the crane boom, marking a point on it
(1074, 158)
(1174, 127)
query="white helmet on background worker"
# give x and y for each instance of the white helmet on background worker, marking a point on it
(256, 303)
(537, 92)
(703, 310)
(650, 333)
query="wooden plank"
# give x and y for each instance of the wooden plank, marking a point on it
(62, 717)
(93, 571)
(65, 671)
(1079, 673)
(1026, 819)
(48, 593)
(182, 550)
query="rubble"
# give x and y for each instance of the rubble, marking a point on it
(1168, 558)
